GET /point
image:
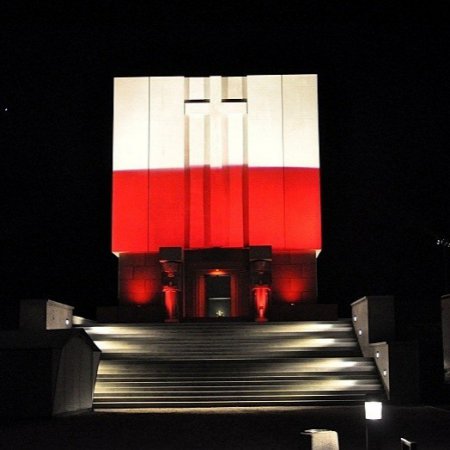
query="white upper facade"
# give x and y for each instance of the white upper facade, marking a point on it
(180, 122)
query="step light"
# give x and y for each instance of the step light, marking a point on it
(373, 410)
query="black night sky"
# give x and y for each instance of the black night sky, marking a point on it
(384, 135)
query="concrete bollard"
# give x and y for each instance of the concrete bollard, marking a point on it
(407, 445)
(319, 439)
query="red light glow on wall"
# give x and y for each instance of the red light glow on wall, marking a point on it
(138, 291)
(290, 290)
(294, 276)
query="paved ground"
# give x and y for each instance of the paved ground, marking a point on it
(220, 429)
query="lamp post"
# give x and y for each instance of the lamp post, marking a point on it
(373, 414)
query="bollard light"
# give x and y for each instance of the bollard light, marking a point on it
(407, 445)
(373, 410)
(373, 431)
(320, 439)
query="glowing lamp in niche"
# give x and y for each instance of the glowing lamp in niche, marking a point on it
(373, 410)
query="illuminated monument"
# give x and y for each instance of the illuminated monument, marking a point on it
(216, 193)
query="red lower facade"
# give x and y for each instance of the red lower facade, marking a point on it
(204, 207)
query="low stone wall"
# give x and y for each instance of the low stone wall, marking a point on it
(44, 314)
(373, 319)
(46, 373)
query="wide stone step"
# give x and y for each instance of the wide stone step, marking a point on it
(155, 347)
(237, 375)
(231, 364)
(199, 402)
(237, 396)
(249, 379)
(218, 334)
(236, 390)
(285, 365)
(244, 377)
(224, 396)
(216, 328)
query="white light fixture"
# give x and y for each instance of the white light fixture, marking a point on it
(373, 410)
(384, 372)
(377, 354)
(360, 332)
(67, 322)
(355, 318)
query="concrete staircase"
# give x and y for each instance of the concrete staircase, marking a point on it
(231, 364)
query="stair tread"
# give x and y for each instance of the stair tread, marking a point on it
(283, 363)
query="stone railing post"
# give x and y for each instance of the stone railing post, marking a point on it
(373, 319)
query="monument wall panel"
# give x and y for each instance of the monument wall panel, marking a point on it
(203, 162)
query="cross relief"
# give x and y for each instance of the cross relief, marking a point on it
(210, 121)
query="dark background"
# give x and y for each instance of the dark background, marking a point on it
(383, 73)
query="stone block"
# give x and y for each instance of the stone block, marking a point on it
(170, 254)
(47, 373)
(302, 257)
(152, 259)
(319, 439)
(309, 270)
(398, 366)
(144, 273)
(281, 258)
(373, 320)
(43, 314)
(132, 259)
(287, 271)
(126, 273)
